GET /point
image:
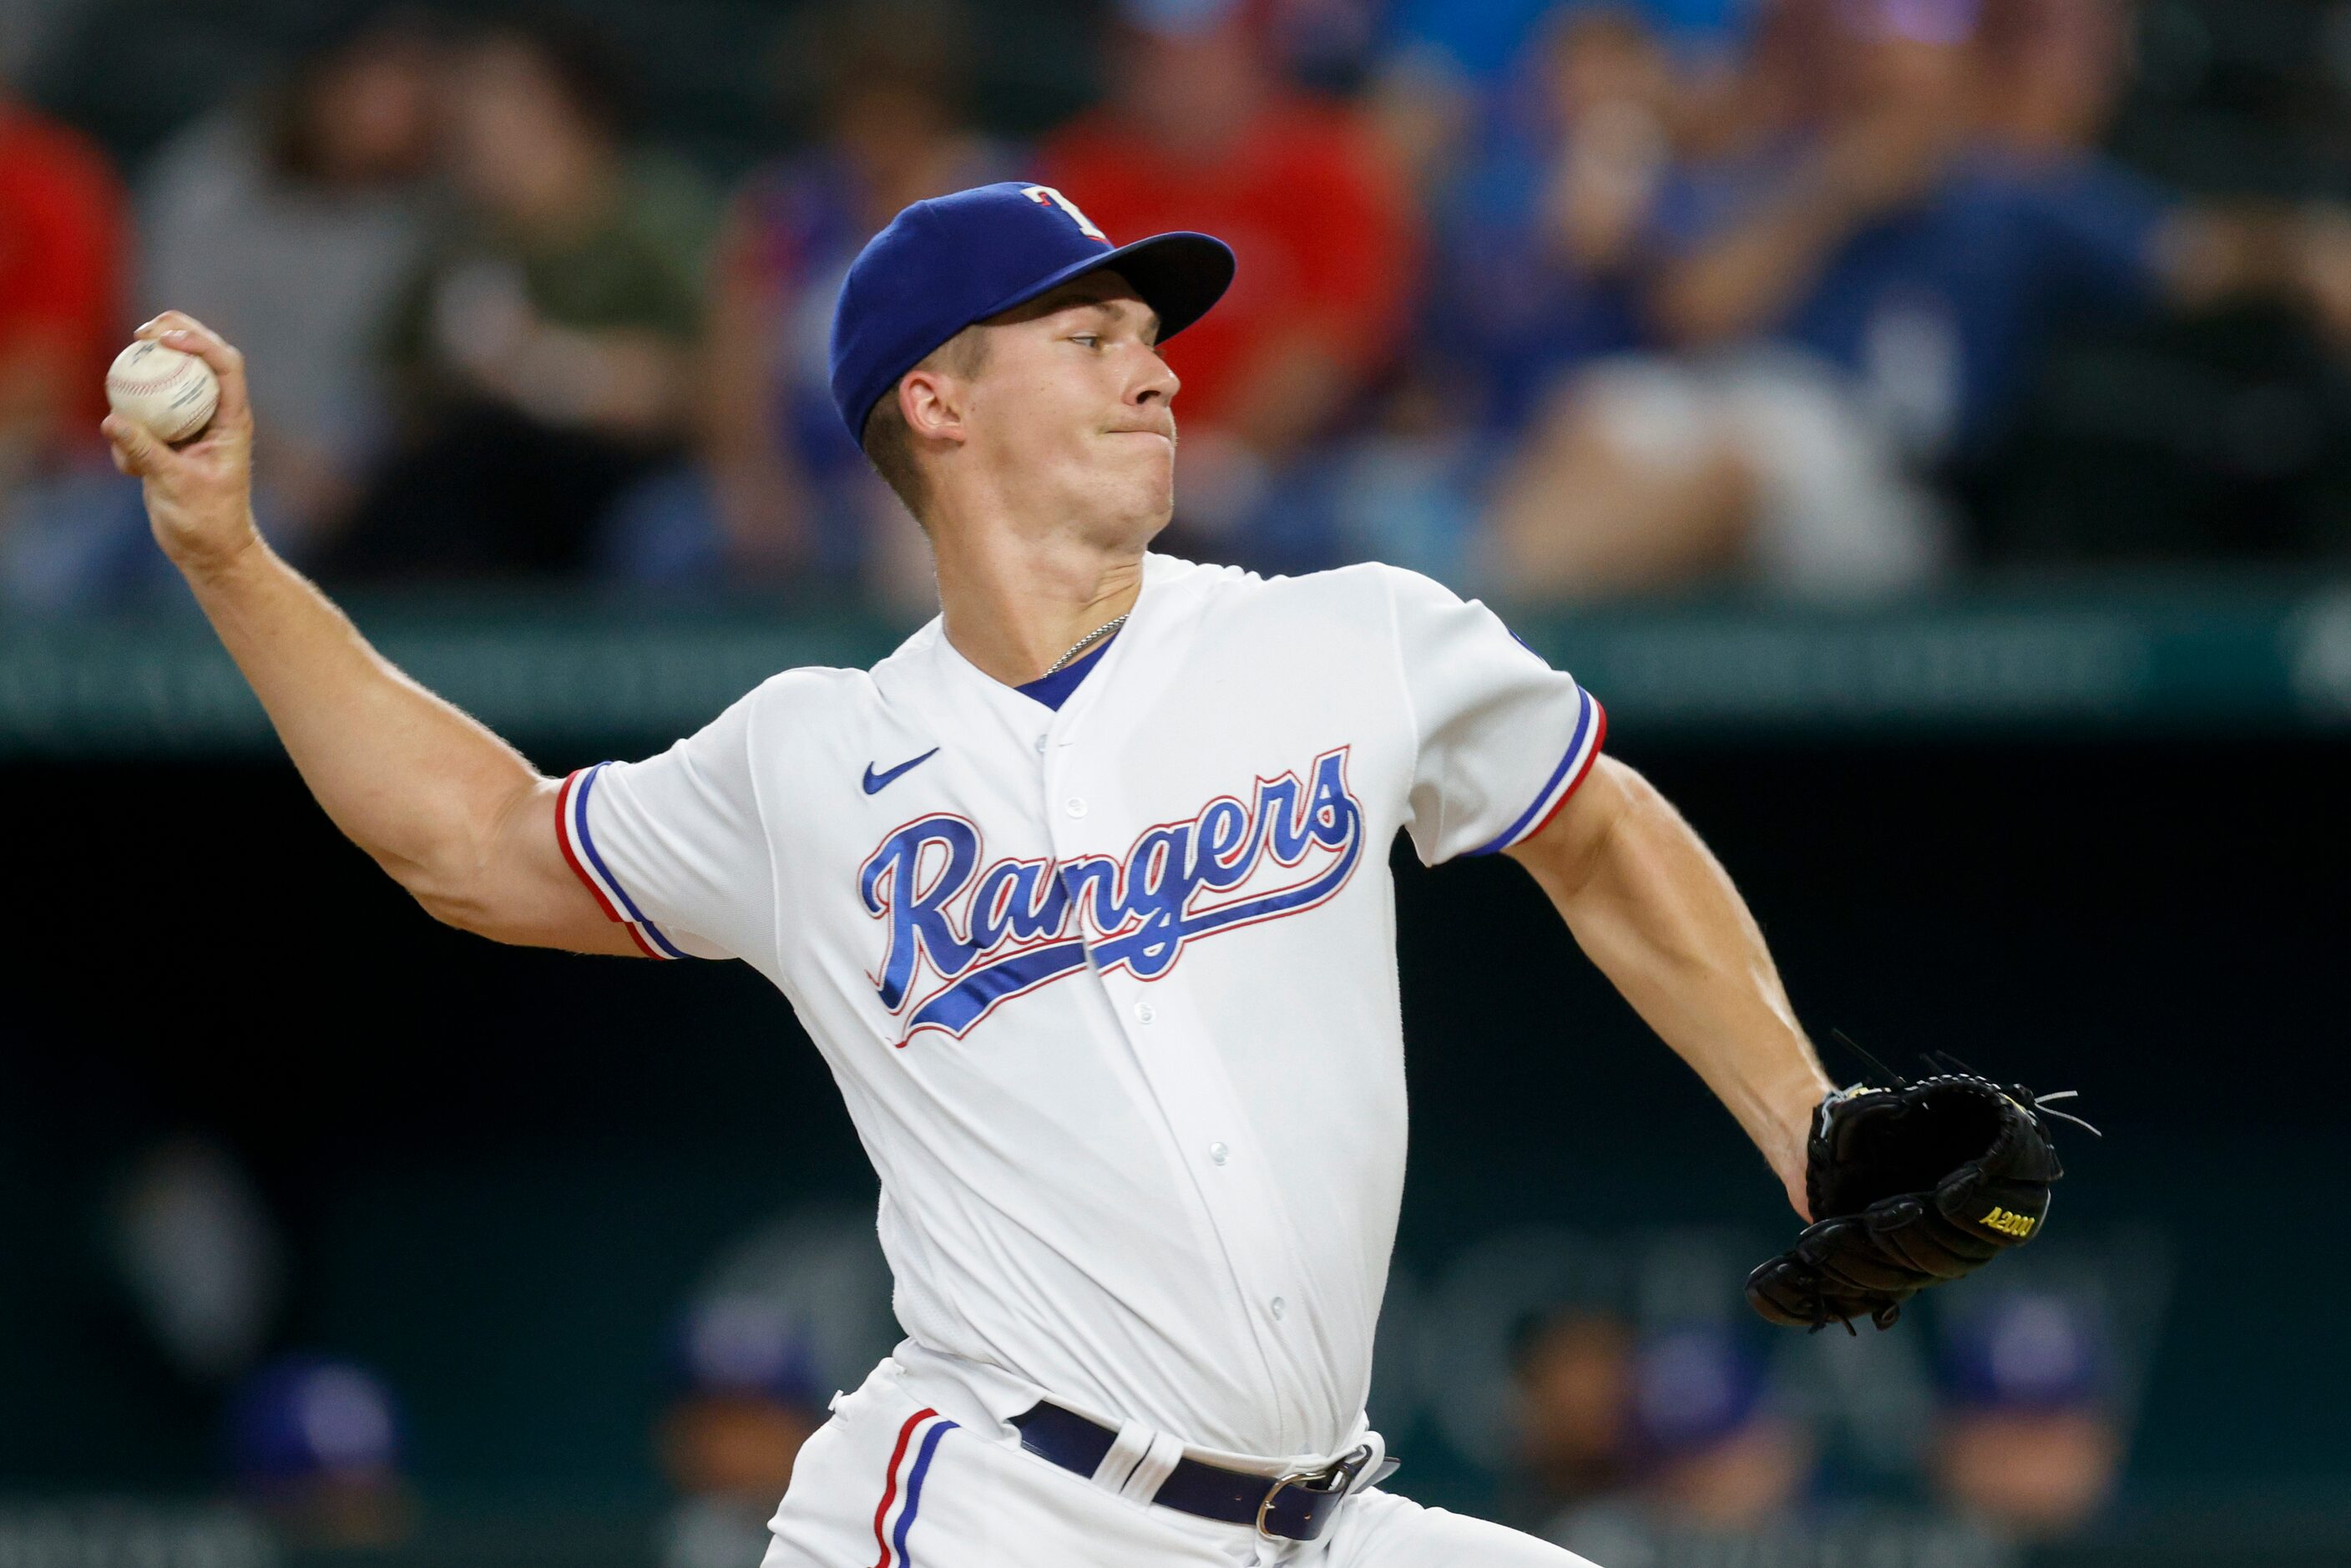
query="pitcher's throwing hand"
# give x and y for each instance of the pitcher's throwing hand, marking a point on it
(200, 496)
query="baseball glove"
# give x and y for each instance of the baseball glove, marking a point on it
(1909, 1187)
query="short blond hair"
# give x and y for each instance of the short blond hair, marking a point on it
(889, 441)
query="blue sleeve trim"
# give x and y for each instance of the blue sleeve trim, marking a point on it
(636, 915)
(1575, 752)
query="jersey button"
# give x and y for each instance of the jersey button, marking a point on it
(1219, 1153)
(1040, 746)
(1075, 806)
(1143, 1012)
(1277, 1308)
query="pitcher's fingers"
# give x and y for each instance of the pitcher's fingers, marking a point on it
(171, 321)
(178, 330)
(228, 365)
(136, 449)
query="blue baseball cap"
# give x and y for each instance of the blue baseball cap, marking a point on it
(745, 1346)
(308, 1418)
(1692, 1387)
(2025, 1351)
(943, 264)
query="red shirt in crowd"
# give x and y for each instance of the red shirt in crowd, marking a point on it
(1321, 226)
(63, 238)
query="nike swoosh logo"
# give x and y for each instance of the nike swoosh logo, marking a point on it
(877, 782)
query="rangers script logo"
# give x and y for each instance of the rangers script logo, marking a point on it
(963, 939)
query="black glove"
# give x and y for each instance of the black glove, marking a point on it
(1909, 1187)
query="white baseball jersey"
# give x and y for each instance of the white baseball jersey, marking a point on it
(1111, 989)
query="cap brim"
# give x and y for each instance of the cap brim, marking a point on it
(1178, 275)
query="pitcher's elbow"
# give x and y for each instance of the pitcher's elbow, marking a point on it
(454, 896)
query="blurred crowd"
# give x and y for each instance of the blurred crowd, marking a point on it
(1611, 1392)
(1675, 1446)
(1555, 297)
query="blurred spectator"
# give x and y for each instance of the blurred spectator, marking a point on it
(1451, 70)
(1539, 239)
(1326, 45)
(748, 1396)
(286, 224)
(1574, 1373)
(788, 493)
(202, 1258)
(1451, 67)
(63, 237)
(1860, 302)
(1651, 471)
(1710, 1460)
(1200, 133)
(544, 350)
(1483, 44)
(2028, 1441)
(2054, 72)
(1712, 1452)
(315, 1443)
(1540, 226)
(793, 1309)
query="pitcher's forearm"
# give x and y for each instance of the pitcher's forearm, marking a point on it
(453, 812)
(405, 775)
(1650, 904)
(1712, 995)
(1662, 920)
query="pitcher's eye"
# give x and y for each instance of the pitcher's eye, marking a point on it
(1090, 339)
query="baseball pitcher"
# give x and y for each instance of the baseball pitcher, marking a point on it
(1083, 893)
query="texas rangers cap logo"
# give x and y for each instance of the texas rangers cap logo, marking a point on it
(1045, 195)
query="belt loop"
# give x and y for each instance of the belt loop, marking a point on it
(1126, 1450)
(1154, 1467)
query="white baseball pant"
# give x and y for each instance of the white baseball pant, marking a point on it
(894, 1480)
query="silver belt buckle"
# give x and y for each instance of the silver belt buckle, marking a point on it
(1336, 1477)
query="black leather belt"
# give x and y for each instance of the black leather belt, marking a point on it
(1294, 1508)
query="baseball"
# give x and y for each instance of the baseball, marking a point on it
(170, 393)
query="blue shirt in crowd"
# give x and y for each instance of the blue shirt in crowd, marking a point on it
(1506, 309)
(1486, 41)
(1945, 311)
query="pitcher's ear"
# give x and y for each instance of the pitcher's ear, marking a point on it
(932, 402)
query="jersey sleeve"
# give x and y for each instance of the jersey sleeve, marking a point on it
(672, 847)
(1503, 738)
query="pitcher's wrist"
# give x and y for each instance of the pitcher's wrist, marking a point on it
(1793, 1107)
(206, 561)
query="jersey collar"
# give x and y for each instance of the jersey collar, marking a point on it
(1016, 702)
(1053, 688)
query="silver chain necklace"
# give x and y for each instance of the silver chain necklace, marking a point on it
(1084, 643)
